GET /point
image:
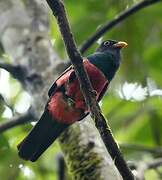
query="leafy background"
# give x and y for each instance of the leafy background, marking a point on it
(133, 122)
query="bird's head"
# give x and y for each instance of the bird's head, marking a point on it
(107, 57)
(111, 46)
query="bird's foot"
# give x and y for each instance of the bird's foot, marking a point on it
(70, 102)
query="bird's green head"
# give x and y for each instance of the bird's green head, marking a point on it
(107, 57)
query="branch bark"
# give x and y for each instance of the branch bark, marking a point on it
(87, 90)
(22, 119)
(118, 19)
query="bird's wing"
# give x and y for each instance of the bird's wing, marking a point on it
(54, 86)
(103, 91)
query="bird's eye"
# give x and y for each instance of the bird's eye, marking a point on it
(106, 43)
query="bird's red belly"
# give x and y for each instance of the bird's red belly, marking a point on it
(62, 110)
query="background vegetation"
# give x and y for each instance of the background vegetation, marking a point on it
(132, 104)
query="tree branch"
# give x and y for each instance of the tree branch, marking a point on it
(22, 119)
(138, 147)
(110, 24)
(17, 71)
(144, 166)
(155, 163)
(105, 132)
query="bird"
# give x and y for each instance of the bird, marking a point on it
(66, 104)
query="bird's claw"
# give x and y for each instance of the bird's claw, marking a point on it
(70, 102)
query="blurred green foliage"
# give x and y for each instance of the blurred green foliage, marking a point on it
(131, 121)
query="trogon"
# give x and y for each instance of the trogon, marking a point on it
(66, 103)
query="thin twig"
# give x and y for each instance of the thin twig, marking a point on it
(110, 24)
(155, 124)
(86, 87)
(138, 147)
(155, 163)
(141, 167)
(22, 119)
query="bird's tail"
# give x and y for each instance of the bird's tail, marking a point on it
(40, 138)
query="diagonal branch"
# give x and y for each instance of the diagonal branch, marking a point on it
(17, 71)
(105, 132)
(110, 24)
(22, 119)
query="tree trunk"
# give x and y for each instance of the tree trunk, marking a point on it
(24, 37)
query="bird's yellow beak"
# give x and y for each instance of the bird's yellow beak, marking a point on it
(120, 44)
